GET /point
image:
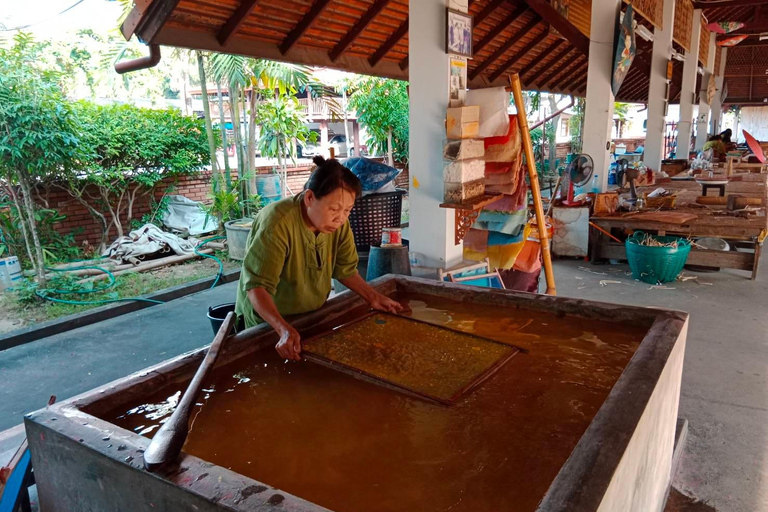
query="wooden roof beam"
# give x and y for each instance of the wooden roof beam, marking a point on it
(544, 80)
(567, 29)
(492, 6)
(578, 84)
(361, 24)
(726, 3)
(524, 50)
(389, 43)
(509, 43)
(404, 64)
(544, 66)
(158, 12)
(498, 29)
(567, 75)
(233, 24)
(304, 23)
(540, 58)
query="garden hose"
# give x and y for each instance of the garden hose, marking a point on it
(44, 293)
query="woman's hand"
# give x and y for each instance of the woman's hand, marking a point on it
(289, 345)
(384, 303)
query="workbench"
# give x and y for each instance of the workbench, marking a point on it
(694, 221)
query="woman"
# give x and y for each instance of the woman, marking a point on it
(715, 143)
(295, 247)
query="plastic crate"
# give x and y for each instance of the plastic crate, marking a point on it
(654, 265)
(371, 214)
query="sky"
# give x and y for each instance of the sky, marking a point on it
(47, 22)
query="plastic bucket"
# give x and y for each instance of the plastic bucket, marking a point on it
(654, 265)
(10, 272)
(268, 187)
(388, 260)
(217, 315)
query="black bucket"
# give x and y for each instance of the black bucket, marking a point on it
(217, 315)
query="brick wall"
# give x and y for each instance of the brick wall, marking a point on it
(196, 187)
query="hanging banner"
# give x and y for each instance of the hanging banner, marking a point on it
(624, 50)
(725, 27)
(731, 41)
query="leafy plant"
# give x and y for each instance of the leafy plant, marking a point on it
(156, 211)
(226, 204)
(382, 108)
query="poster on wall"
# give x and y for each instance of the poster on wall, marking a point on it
(625, 50)
(459, 5)
(458, 38)
(458, 81)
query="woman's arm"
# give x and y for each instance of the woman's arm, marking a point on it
(375, 299)
(289, 345)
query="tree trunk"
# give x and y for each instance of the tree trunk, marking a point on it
(23, 223)
(29, 206)
(390, 158)
(207, 110)
(235, 111)
(553, 136)
(351, 148)
(244, 142)
(225, 143)
(252, 140)
(283, 169)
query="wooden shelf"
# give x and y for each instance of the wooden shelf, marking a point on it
(467, 213)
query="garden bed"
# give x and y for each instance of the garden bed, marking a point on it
(17, 314)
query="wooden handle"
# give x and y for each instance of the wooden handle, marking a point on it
(517, 91)
(169, 439)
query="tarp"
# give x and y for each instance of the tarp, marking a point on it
(186, 216)
(145, 241)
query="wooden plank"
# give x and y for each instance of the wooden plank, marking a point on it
(708, 258)
(403, 64)
(498, 29)
(540, 59)
(235, 21)
(361, 24)
(578, 71)
(714, 4)
(389, 44)
(302, 26)
(562, 67)
(492, 6)
(523, 51)
(509, 43)
(561, 24)
(547, 66)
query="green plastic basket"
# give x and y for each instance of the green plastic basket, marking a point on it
(655, 265)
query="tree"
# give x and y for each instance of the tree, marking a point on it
(130, 150)
(38, 134)
(382, 108)
(621, 111)
(281, 123)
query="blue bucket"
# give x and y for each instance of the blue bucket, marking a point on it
(268, 187)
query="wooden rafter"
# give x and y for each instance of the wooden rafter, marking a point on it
(361, 24)
(404, 64)
(544, 67)
(498, 29)
(726, 3)
(565, 76)
(492, 6)
(232, 25)
(523, 51)
(509, 43)
(540, 58)
(303, 24)
(578, 84)
(561, 24)
(156, 15)
(556, 70)
(389, 43)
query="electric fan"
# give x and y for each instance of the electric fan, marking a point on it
(577, 174)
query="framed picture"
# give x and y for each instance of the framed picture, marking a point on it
(458, 37)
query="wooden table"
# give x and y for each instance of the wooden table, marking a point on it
(743, 232)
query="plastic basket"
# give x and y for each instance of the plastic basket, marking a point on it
(654, 265)
(371, 214)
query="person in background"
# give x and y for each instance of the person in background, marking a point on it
(716, 144)
(726, 136)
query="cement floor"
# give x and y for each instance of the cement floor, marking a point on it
(724, 391)
(724, 394)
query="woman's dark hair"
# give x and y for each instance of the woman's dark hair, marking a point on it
(715, 137)
(726, 135)
(330, 175)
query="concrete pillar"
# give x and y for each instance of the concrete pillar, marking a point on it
(688, 89)
(598, 111)
(324, 136)
(658, 89)
(702, 120)
(431, 227)
(717, 104)
(356, 135)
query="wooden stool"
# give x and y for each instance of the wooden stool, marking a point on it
(706, 186)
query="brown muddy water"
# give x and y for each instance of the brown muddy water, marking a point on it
(353, 446)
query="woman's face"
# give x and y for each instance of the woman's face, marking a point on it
(331, 212)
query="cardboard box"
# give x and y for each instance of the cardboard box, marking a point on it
(463, 122)
(464, 171)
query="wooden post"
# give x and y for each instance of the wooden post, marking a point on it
(517, 91)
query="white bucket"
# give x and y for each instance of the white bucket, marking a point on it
(10, 272)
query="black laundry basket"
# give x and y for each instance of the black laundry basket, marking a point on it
(371, 214)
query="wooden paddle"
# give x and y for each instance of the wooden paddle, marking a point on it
(168, 441)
